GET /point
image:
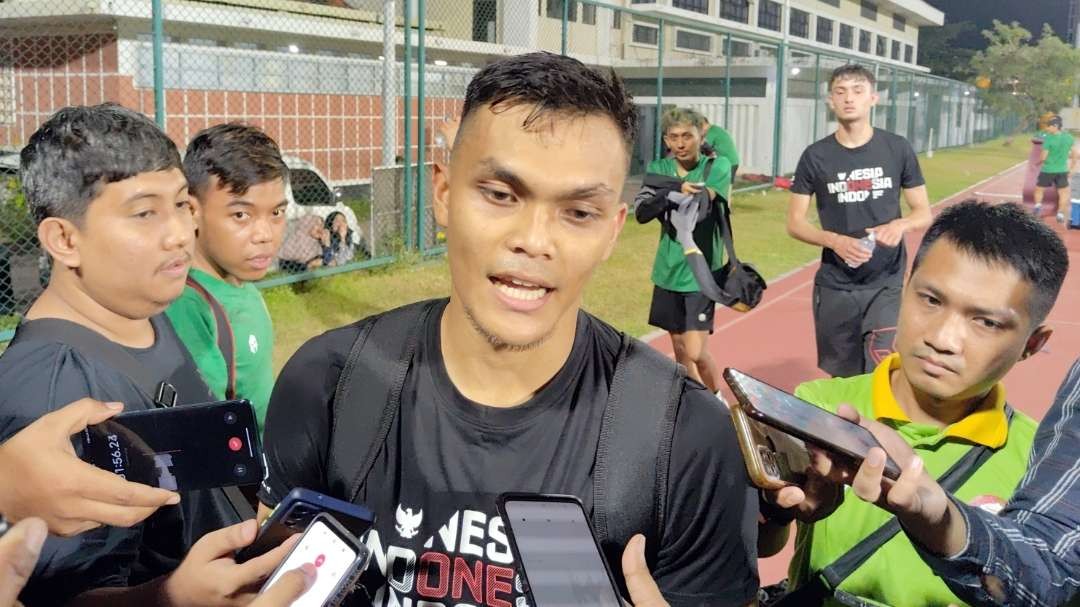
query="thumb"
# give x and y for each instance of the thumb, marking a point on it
(84, 412)
(288, 588)
(223, 542)
(849, 413)
(19, 550)
(639, 582)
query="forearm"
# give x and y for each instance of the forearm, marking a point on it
(802, 230)
(649, 204)
(148, 593)
(772, 538)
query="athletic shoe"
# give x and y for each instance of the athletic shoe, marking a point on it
(1038, 208)
(1061, 217)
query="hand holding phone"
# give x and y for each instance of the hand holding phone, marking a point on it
(774, 460)
(338, 558)
(294, 513)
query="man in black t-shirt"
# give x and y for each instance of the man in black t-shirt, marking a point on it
(856, 175)
(508, 386)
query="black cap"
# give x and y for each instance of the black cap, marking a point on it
(1054, 121)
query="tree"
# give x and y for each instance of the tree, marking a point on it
(938, 50)
(1027, 79)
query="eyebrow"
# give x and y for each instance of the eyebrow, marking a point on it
(1007, 313)
(512, 179)
(143, 195)
(240, 202)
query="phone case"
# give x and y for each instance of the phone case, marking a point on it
(748, 444)
(347, 582)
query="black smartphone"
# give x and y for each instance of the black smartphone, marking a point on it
(179, 448)
(294, 513)
(558, 557)
(339, 559)
(802, 420)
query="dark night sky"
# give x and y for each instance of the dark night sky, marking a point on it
(1030, 13)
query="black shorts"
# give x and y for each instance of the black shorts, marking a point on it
(854, 328)
(677, 312)
(1053, 180)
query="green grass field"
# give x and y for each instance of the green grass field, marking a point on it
(621, 290)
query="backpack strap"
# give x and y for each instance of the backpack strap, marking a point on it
(954, 478)
(368, 392)
(225, 339)
(630, 475)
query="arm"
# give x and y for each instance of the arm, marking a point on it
(800, 228)
(920, 217)
(649, 204)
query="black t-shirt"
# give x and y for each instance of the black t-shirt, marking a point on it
(39, 377)
(859, 188)
(446, 458)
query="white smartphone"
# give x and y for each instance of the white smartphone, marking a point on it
(339, 559)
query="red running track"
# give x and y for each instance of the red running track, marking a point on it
(775, 341)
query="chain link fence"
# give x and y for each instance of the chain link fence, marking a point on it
(362, 110)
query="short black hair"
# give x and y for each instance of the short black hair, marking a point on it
(239, 155)
(852, 71)
(80, 149)
(1005, 234)
(553, 84)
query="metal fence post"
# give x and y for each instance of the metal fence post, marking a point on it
(406, 203)
(817, 93)
(658, 146)
(389, 84)
(778, 116)
(157, 18)
(565, 25)
(421, 119)
(727, 82)
(890, 120)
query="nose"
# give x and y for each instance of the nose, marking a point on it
(531, 235)
(180, 230)
(262, 232)
(946, 334)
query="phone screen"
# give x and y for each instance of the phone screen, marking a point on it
(179, 448)
(795, 416)
(558, 554)
(333, 557)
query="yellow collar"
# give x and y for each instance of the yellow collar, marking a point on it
(987, 425)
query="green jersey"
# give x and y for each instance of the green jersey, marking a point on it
(670, 270)
(895, 574)
(721, 141)
(1057, 146)
(253, 338)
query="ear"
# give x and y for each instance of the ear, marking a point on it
(196, 208)
(440, 179)
(620, 221)
(60, 239)
(875, 97)
(1036, 341)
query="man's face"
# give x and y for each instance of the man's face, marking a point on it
(963, 323)
(852, 98)
(684, 141)
(529, 215)
(241, 233)
(135, 243)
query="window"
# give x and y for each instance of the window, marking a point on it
(769, 13)
(896, 50)
(847, 36)
(735, 10)
(740, 49)
(588, 14)
(554, 9)
(799, 23)
(869, 10)
(616, 20)
(646, 34)
(824, 30)
(692, 41)
(899, 22)
(835, 3)
(909, 53)
(864, 41)
(882, 45)
(698, 6)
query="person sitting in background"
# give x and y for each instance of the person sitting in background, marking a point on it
(337, 240)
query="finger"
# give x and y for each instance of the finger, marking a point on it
(19, 550)
(789, 497)
(112, 515)
(639, 583)
(849, 413)
(106, 487)
(904, 494)
(288, 588)
(867, 481)
(84, 412)
(263, 565)
(222, 542)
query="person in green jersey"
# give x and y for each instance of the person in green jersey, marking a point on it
(974, 305)
(718, 142)
(678, 305)
(1058, 162)
(237, 181)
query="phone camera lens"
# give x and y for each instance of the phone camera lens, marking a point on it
(230, 418)
(240, 470)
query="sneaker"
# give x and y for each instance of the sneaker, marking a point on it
(1061, 217)
(1038, 208)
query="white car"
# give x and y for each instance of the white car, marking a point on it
(311, 201)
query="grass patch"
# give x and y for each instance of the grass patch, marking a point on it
(620, 291)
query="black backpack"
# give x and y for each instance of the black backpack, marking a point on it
(630, 474)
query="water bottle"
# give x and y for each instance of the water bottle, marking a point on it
(867, 242)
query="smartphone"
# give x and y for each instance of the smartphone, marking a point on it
(294, 513)
(179, 448)
(339, 559)
(799, 419)
(774, 460)
(556, 551)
